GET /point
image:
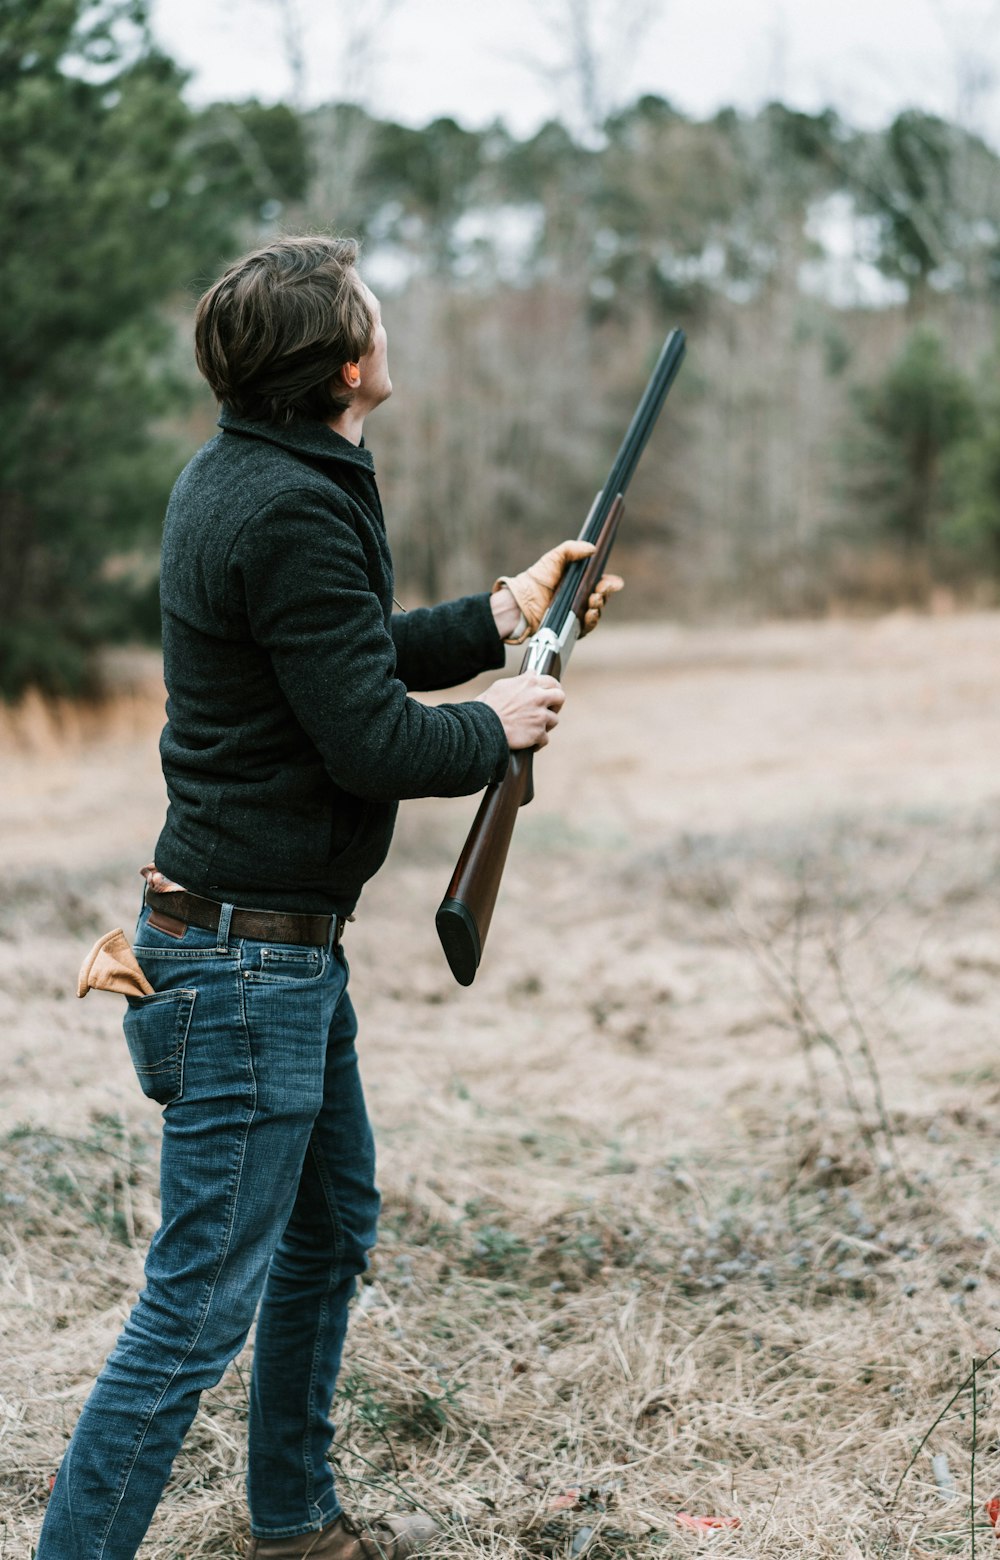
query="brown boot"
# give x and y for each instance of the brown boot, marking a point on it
(397, 1536)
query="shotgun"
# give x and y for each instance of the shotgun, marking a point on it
(464, 914)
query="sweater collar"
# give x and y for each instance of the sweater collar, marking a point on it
(303, 435)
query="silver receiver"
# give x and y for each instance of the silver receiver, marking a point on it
(547, 644)
(542, 644)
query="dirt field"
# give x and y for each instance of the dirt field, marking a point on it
(691, 1201)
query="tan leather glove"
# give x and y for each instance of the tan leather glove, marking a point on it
(534, 589)
(607, 585)
(112, 966)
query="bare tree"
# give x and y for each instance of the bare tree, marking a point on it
(353, 80)
(350, 71)
(596, 45)
(293, 39)
(365, 34)
(967, 41)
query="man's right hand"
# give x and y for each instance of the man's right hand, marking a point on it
(528, 707)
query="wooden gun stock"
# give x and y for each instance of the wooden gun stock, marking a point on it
(465, 912)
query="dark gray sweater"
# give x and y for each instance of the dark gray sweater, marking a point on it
(289, 736)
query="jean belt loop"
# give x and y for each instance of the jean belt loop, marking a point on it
(334, 923)
(225, 916)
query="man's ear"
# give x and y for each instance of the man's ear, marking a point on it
(350, 375)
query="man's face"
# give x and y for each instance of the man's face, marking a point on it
(376, 386)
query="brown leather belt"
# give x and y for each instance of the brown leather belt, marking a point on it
(281, 926)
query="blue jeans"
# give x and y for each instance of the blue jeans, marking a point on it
(267, 1195)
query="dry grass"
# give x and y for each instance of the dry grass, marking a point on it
(762, 1328)
(708, 1226)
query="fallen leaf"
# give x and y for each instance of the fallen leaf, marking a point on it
(684, 1519)
(565, 1500)
(992, 1509)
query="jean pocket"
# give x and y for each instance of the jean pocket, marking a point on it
(281, 962)
(156, 1031)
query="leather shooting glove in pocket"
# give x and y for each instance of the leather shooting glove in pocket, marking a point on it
(112, 966)
(156, 1022)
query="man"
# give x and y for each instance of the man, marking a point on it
(290, 739)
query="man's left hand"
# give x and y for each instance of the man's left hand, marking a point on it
(520, 602)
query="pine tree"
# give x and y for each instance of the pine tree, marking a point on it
(111, 204)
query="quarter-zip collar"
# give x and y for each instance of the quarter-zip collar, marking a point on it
(304, 436)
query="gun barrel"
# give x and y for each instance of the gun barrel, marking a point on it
(639, 429)
(622, 471)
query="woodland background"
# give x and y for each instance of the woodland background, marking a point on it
(833, 444)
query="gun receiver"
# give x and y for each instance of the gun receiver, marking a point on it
(464, 915)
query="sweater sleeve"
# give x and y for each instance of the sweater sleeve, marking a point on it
(302, 572)
(438, 647)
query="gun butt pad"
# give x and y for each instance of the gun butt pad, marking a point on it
(459, 934)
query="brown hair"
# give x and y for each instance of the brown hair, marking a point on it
(272, 332)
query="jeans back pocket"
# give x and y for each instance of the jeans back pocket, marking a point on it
(156, 1031)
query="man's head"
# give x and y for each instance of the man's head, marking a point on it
(278, 334)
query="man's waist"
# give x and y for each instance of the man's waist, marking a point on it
(318, 864)
(174, 908)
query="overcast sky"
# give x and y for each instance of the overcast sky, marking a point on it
(482, 59)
